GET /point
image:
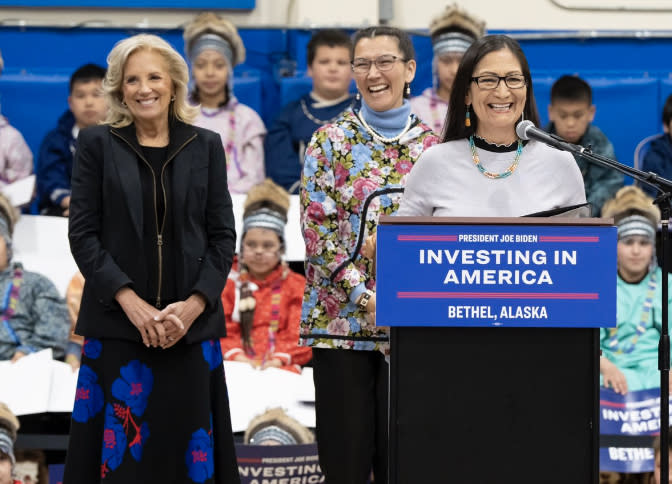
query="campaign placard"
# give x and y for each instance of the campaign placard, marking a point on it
(279, 464)
(635, 414)
(496, 275)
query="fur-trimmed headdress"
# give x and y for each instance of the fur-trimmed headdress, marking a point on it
(275, 427)
(210, 31)
(266, 207)
(454, 30)
(628, 201)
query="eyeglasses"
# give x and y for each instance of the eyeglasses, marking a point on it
(383, 63)
(489, 82)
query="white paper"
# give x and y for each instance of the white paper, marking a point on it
(21, 191)
(252, 392)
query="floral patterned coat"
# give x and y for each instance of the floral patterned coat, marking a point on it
(343, 167)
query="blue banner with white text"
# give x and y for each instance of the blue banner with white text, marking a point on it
(628, 425)
(496, 275)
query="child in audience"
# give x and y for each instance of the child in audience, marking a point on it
(328, 56)
(451, 32)
(213, 49)
(275, 427)
(34, 316)
(262, 298)
(571, 113)
(659, 157)
(9, 426)
(16, 160)
(629, 359)
(54, 164)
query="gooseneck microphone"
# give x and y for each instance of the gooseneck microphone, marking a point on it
(526, 130)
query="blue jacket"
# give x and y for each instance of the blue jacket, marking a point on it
(54, 163)
(601, 182)
(658, 160)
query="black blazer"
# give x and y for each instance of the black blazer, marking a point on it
(106, 225)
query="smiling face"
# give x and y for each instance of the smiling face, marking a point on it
(498, 110)
(382, 91)
(330, 71)
(211, 73)
(147, 86)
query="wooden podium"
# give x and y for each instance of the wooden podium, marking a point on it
(487, 398)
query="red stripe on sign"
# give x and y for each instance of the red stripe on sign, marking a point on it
(605, 403)
(496, 295)
(560, 238)
(427, 238)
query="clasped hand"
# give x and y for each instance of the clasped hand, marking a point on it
(163, 328)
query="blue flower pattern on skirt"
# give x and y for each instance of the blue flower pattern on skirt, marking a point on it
(199, 459)
(134, 386)
(212, 352)
(92, 348)
(89, 398)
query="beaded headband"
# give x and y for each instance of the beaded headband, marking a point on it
(211, 42)
(636, 225)
(452, 42)
(265, 218)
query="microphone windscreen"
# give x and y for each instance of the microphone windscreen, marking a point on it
(523, 126)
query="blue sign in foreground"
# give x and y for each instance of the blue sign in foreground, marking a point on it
(496, 275)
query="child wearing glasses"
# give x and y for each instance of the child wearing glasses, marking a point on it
(571, 113)
(262, 298)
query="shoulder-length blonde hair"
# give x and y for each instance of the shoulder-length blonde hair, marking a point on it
(118, 114)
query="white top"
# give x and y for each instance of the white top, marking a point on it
(445, 182)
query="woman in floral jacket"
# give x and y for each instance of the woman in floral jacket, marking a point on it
(354, 171)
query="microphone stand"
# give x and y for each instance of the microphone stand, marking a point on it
(664, 187)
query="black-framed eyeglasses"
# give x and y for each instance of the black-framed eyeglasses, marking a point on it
(489, 81)
(383, 63)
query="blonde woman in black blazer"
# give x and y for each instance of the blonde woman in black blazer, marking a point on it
(152, 231)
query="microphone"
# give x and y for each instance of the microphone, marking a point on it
(526, 130)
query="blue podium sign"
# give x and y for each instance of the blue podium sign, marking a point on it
(496, 275)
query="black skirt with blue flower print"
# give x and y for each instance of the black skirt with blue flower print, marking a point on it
(146, 415)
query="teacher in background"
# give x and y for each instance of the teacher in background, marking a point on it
(482, 168)
(152, 231)
(354, 171)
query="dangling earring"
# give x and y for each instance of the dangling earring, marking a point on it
(123, 103)
(467, 119)
(408, 89)
(522, 116)
(172, 99)
(358, 96)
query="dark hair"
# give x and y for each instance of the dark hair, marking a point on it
(667, 111)
(571, 88)
(403, 40)
(457, 109)
(87, 73)
(329, 38)
(195, 97)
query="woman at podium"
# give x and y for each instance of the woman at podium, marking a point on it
(482, 168)
(354, 171)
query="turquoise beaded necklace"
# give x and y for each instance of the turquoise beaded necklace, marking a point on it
(489, 174)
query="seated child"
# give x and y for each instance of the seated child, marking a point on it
(262, 299)
(571, 113)
(629, 359)
(451, 32)
(214, 48)
(34, 316)
(54, 163)
(328, 55)
(659, 157)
